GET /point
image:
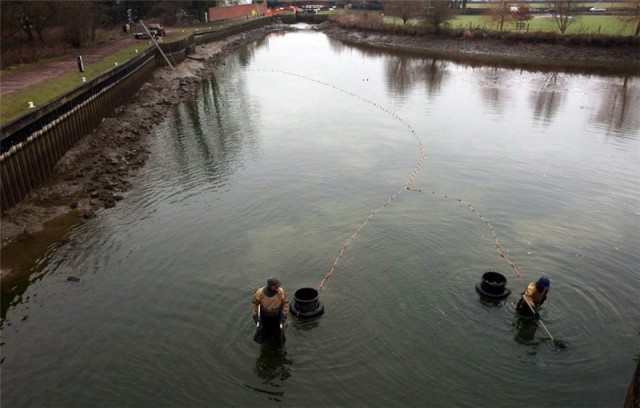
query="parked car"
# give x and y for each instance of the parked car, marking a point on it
(140, 35)
(157, 30)
(597, 9)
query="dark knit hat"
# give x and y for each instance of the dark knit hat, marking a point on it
(543, 283)
(273, 281)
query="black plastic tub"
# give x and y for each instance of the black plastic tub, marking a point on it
(493, 285)
(306, 303)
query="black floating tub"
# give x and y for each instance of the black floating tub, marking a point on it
(306, 303)
(493, 285)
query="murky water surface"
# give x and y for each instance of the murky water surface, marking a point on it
(275, 164)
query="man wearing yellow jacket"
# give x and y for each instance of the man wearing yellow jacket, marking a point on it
(270, 307)
(533, 297)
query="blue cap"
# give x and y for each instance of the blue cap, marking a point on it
(544, 282)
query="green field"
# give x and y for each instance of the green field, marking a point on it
(584, 24)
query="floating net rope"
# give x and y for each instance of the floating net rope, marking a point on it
(407, 185)
(486, 221)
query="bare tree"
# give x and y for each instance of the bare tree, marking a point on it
(165, 11)
(522, 12)
(437, 14)
(78, 20)
(8, 19)
(30, 17)
(633, 6)
(500, 12)
(564, 13)
(404, 9)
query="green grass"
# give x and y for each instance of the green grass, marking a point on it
(17, 103)
(584, 24)
(545, 5)
(608, 25)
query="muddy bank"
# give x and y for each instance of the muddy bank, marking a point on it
(589, 59)
(98, 172)
(100, 169)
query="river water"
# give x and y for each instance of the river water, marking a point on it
(301, 145)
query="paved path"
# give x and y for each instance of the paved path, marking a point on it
(19, 80)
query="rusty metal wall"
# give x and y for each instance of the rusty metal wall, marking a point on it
(32, 144)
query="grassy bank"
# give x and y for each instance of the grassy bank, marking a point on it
(604, 30)
(597, 24)
(16, 103)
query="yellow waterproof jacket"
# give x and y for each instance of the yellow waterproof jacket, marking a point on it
(276, 304)
(533, 297)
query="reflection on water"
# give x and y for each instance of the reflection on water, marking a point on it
(617, 112)
(403, 73)
(618, 109)
(29, 257)
(220, 135)
(526, 328)
(547, 97)
(306, 324)
(493, 93)
(273, 367)
(246, 54)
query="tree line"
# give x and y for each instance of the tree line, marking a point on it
(437, 13)
(79, 20)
